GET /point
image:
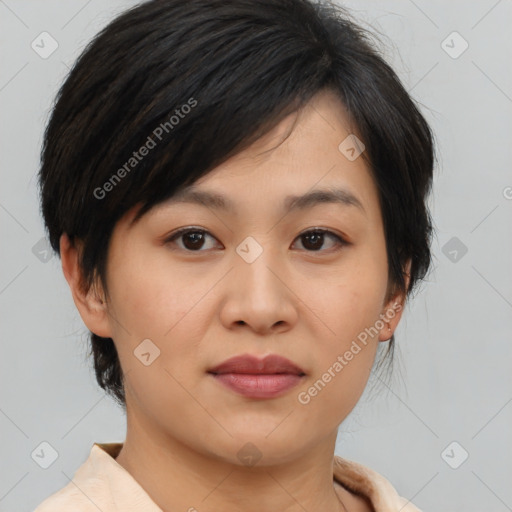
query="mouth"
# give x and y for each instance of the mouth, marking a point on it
(252, 377)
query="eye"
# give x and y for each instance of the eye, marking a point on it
(193, 239)
(315, 239)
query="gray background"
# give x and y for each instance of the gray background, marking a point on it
(453, 379)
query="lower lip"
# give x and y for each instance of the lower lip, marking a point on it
(258, 385)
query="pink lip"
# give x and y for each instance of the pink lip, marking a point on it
(258, 378)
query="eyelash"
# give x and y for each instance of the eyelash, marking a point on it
(183, 231)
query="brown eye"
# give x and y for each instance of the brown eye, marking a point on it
(314, 239)
(195, 240)
(192, 239)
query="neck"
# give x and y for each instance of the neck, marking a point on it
(177, 477)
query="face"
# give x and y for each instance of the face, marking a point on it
(259, 276)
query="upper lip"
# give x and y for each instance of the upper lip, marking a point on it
(270, 364)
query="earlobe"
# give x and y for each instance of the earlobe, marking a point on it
(92, 307)
(390, 319)
(392, 312)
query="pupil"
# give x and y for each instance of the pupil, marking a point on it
(197, 239)
(315, 236)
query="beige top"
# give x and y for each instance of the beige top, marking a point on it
(101, 483)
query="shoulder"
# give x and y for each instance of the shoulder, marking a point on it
(100, 483)
(353, 502)
(89, 489)
(369, 490)
(67, 498)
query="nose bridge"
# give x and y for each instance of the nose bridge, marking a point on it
(258, 297)
(257, 263)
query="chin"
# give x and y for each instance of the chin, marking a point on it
(258, 449)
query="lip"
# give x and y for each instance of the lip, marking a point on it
(253, 377)
(248, 364)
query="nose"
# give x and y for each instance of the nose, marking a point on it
(257, 295)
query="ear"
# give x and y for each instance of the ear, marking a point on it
(91, 305)
(393, 309)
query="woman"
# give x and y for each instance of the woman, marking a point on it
(237, 191)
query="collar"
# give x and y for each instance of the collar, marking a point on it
(125, 493)
(366, 482)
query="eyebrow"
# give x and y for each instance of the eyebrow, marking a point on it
(291, 202)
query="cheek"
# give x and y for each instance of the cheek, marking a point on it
(348, 300)
(149, 295)
(153, 301)
(347, 306)
(344, 357)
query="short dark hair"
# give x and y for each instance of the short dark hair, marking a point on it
(228, 71)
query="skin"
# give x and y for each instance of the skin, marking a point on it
(184, 429)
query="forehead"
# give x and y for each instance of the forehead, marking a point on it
(296, 165)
